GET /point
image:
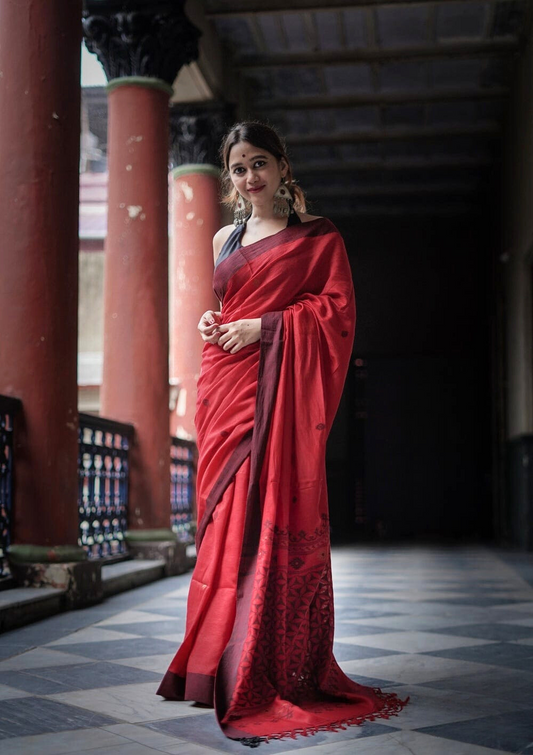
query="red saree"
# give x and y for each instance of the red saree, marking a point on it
(259, 630)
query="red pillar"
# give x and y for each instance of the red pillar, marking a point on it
(136, 342)
(195, 220)
(39, 159)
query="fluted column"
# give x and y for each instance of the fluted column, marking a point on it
(196, 133)
(141, 51)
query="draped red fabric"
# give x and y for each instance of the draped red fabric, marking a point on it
(259, 629)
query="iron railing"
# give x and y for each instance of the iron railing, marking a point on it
(103, 482)
(182, 488)
(8, 409)
(103, 479)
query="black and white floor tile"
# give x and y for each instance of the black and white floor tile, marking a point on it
(452, 627)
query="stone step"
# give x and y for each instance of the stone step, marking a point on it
(126, 575)
(23, 605)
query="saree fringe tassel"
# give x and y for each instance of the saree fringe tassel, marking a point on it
(258, 641)
(393, 707)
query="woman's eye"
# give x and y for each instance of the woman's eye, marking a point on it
(259, 164)
(238, 170)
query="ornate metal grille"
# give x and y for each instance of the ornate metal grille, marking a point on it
(182, 488)
(8, 408)
(103, 475)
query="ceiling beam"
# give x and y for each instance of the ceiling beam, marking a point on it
(393, 134)
(305, 169)
(237, 8)
(320, 102)
(476, 49)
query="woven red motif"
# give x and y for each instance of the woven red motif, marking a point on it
(288, 650)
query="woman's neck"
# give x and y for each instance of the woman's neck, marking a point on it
(262, 215)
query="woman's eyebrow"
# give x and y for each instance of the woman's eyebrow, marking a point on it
(234, 165)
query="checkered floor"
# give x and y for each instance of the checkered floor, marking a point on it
(451, 627)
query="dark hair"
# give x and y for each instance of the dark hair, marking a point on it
(263, 137)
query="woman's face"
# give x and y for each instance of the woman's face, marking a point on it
(255, 173)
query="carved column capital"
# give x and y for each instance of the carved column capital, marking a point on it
(136, 38)
(196, 133)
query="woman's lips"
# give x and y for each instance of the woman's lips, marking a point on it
(257, 189)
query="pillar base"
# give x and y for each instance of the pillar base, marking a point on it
(80, 579)
(159, 544)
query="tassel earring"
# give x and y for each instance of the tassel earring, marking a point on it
(283, 200)
(239, 215)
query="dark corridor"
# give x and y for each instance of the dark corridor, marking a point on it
(410, 455)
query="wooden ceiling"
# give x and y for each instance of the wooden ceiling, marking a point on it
(387, 106)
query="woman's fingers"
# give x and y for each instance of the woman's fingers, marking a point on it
(231, 339)
(209, 318)
(228, 343)
(225, 334)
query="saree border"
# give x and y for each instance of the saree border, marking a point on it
(197, 687)
(268, 378)
(213, 499)
(243, 254)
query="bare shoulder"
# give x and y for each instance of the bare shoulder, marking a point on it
(220, 238)
(306, 218)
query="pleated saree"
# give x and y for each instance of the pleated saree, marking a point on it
(259, 630)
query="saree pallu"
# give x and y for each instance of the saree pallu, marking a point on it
(259, 630)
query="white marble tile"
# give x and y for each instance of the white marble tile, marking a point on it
(522, 607)
(177, 637)
(504, 594)
(60, 743)
(92, 634)
(10, 693)
(411, 669)
(189, 748)
(165, 605)
(133, 703)
(481, 614)
(405, 621)
(379, 606)
(413, 642)
(134, 617)
(128, 748)
(398, 743)
(417, 595)
(40, 658)
(181, 592)
(160, 742)
(518, 622)
(433, 707)
(144, 736)
(156, 663)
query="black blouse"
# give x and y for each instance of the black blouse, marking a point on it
(233, 241)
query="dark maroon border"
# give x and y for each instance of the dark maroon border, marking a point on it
(234, 462)
(244, 254)
(197, 687)
(268, 378)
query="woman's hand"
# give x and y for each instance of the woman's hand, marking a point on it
(236, 335)
(209, 326)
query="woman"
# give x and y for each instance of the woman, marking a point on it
(259, 630)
